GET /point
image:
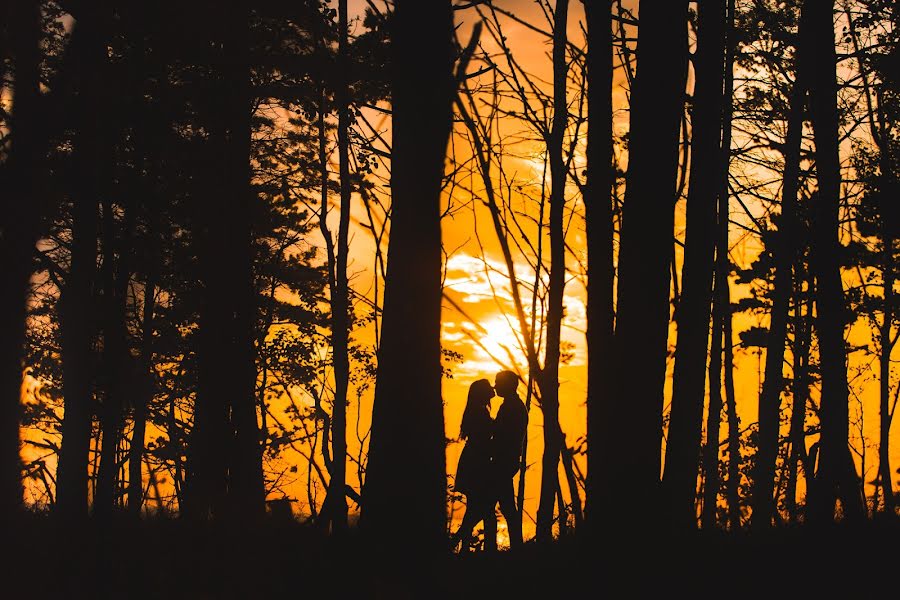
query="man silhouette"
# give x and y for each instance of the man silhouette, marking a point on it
(509, 435)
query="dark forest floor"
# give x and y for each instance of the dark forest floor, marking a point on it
(162, 558)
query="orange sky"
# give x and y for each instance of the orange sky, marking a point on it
(489, 316)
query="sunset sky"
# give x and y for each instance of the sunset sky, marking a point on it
(485, 331)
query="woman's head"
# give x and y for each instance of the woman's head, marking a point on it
(480, 394)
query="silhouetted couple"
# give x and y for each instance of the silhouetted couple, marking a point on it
(490, 459)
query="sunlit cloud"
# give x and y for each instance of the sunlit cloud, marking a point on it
(485, 328)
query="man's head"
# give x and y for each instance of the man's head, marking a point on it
(506, 383)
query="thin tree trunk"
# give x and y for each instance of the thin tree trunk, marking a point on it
(148, 135)
(599, 228)
(884, 384)
(211, 447)
(642, 316)
(76, 302)
(784, 254)
(721, 294)
(572, 483)
(247, 484)
(562, 511)
(732, 486)
(711, 480)
(800, 393)
(404, 504)
(116, 358)
(523, 462)
(20, 177)
(548, 380)
(693, 316)
(836, 477)
(340, 324)
(142, 404)
(878, 129)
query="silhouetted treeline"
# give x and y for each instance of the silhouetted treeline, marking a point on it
(185, 192)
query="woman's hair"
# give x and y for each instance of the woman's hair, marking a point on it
(480, 394)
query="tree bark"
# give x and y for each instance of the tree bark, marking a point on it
(226, 472)
(115, 274)
(693, 316)
(877, 125)
(642, 317)
(884, 360)
(142, 403)
(800, 392)
(836, 477)
(548, 380)
(20, 176)
(340, 323)
(76, 301)
(599, 228)
(404, 503)
(784, 255)
(246, 482)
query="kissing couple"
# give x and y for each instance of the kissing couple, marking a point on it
(490, 459)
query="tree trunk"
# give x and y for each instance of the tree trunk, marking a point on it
(116, 359)
(340, 324)
(784, 254)
(599, 228)
(711, 480)
(404, 504)
(76, 301)
(878, 128)
(20, 176)
(721, 295)
(142, 403)
(732, 486)
(226, 468)
(571, 483)
(549, 376)
(836, 477)
(148, 142)
(642, 317)
(884, 383)
(693, 316)
(800, 392)
(246, 484)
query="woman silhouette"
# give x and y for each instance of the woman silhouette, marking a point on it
(473, 472)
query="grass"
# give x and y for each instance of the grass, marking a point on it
(168, 558)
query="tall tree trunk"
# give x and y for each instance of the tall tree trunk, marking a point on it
(340, 324)
(405, 491)
(549, 376)
(685, 424)
(247, 484)
(877, 126)
(721, 294)
(20, 176)
(599, 228)
(732, 486)
(116, 358)
(142, 402)
(642, 316)
(884, 382)
(836, 477)
(784, 255)
(711, 479)
(148, 138)
(76, 302)
(800, 392)
(226, 471)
